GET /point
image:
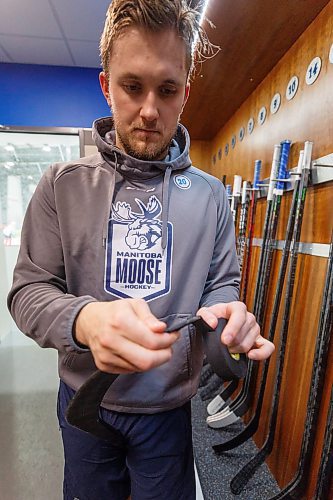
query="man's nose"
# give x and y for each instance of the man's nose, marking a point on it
(149, 109)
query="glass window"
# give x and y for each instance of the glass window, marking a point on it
(23, 159)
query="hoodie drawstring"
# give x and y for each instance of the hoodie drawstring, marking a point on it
(109, 206)
(165, 206)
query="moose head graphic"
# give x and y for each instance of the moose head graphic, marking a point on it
(144, 229)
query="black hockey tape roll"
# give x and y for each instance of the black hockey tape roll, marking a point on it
(226, 365)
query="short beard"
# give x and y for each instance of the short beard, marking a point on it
(151, 153)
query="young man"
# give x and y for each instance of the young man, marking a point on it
(117, 246)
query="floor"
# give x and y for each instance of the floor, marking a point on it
(31, 460)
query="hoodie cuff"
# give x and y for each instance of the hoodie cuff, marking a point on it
(71, 325)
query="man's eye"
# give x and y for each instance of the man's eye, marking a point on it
(131, 88)
(168, 91)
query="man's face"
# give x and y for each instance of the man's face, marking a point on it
(147, 90)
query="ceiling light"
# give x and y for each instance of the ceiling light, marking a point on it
(46, 148)
(9, 147)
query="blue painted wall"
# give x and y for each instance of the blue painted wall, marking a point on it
(50, 96)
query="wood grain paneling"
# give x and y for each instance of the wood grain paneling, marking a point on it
(307, 117)
(200, 153)
(253, 36)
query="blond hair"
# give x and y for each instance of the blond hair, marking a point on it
(155, 16)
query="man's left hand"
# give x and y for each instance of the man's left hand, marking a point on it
(242, 332)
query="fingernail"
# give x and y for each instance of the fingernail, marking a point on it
(227, 339)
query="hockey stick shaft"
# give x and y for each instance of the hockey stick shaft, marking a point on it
(325, 473)
(243, 476)
(253, 205)
(296, 488)
(253, 425)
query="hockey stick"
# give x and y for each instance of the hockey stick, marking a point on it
(219, 402)
(325, 473)
(241, 404)
(228, 190)
(274, 198)
(241, 240)
(236, 192)
(261, 274)
(253, 425)
(245, 474)
(255, 189)
(296, 488)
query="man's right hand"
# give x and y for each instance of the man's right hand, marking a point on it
(124, 336)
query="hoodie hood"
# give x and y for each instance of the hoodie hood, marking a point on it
(130, 167)
(177, 158)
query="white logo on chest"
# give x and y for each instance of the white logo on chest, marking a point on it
(135, 264)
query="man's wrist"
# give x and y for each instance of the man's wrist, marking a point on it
(77, 332)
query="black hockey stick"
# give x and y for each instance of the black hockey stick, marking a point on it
(325, 474)
(245, 388)
(253, 425)
(241, 240)
(296, 488)
(222, 400)
(242, 402)
(253, 205)
(277, 169)
(245, 474)
(268, 252)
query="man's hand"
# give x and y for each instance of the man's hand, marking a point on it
(241, 333)
(124, 336)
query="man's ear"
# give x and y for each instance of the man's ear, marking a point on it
(104, 83)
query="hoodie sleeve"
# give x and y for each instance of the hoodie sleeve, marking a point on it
(38, 300)
(223, 280)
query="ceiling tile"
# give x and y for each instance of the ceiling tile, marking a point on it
(28, 17)
(86, 54)
(81, 19)
(30, 50)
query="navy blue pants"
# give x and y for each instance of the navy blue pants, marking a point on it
(154, 461)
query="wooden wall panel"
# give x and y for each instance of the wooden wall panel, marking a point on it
(307, 117)
(200, 154)
(302, 336)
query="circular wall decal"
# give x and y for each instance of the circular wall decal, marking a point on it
(219, 153)
(250, 125)
(233, 142)
(226, 149)
(241, 133)
(262, 115)
(292, 88)
(313, 71)
(275, 103)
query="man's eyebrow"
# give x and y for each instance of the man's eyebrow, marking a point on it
(130, 76)
(133, 76)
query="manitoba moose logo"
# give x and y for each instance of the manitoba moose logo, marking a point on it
(136, 266)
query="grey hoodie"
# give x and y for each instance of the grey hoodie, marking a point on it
(109, 226)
